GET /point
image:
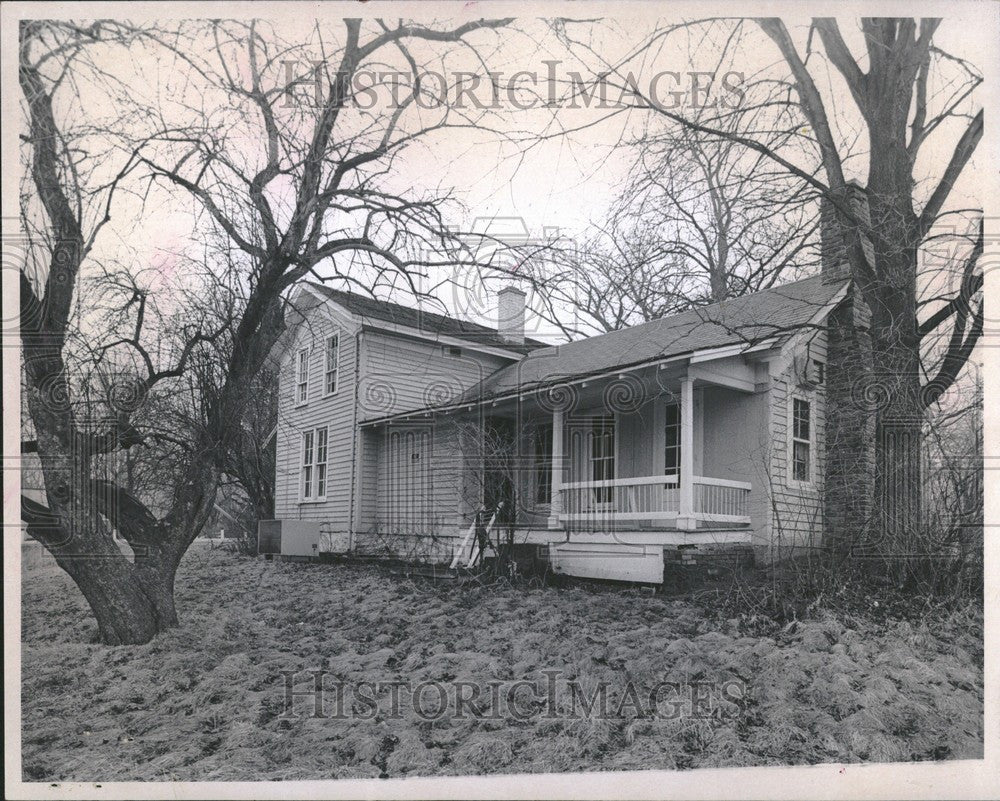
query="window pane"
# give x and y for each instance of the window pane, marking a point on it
(321, 444)
(307, 482)
(332, 354)
(800, 419)
(672, 431)
(672, 460)
(602, 456)
(800, 461)
(321, 480)
(302, 376)
(307, 449)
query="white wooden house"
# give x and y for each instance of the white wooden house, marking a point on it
(700, 431)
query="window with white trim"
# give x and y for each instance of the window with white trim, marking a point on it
(302, 377)
(332, 361)
(314, 459)
(801, 440)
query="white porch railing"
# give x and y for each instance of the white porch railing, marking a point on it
(652, 498)
(721, 500)
(644, 498)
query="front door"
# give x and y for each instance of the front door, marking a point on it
(408, 480)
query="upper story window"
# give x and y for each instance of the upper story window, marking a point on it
(672, 448)
(451, 350)
(801, 439)
(302, 376)
(332, 362)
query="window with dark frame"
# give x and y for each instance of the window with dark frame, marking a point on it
(543, 465)
(321, 443)
(672, 447)
(307, 463)
(302, 376)
(332, 362)
(801, 439)
(602, 456)
(820, 371)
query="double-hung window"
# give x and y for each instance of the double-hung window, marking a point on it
(672, 447)
(302, 377)
(602, 456)
(801, 440)
(332, 360)
(314, 462)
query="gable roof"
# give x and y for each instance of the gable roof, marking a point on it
(424, 321)
(748, 320)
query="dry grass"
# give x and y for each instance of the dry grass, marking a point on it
(205, 701)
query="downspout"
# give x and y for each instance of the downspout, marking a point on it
(354, 439)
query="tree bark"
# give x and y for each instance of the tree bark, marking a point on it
(895, 239)
(131, 605)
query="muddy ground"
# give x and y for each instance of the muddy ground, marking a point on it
(681, 687)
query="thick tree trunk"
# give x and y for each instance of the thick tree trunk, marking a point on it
(132, 605)
(899, 420)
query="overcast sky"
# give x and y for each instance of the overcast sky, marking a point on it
(515, 166)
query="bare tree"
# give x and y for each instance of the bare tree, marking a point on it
(903, 89)
(250, 460)
(313, 191)
(698, 220)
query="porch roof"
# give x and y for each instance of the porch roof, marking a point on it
(748, 320)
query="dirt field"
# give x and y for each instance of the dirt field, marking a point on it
(208, 701)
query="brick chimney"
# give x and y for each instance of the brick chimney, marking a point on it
(833, 253)
(510, 314)
(849, 441)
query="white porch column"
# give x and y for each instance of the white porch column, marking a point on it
(555, 507)
(685, 517)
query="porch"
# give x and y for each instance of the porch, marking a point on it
(661, 455)
(670, 447)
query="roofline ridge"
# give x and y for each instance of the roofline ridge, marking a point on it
(472, 329)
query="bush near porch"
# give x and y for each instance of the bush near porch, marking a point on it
(204, 702)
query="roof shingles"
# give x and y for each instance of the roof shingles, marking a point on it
(425, 321)
(749, 319)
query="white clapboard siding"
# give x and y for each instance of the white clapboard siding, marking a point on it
(736, 445)
(335, 411)
(796, 510)
(400, 374)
